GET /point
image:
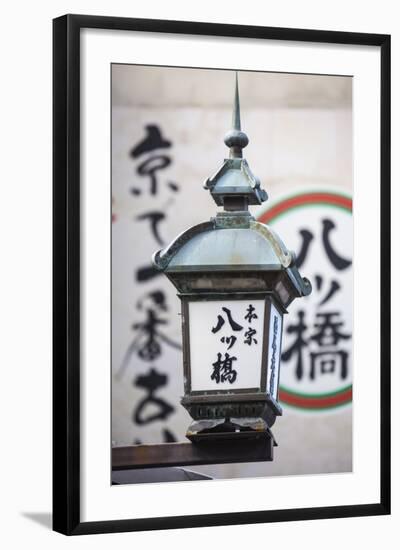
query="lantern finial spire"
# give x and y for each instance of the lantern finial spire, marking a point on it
(236, 107)
(235, 139)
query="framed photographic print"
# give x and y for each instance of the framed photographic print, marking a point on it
(221, 274)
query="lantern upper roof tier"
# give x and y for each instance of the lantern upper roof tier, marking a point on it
(234, 186)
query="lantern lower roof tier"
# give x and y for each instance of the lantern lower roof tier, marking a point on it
(234, 243)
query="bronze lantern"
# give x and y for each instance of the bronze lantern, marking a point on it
(235, 279)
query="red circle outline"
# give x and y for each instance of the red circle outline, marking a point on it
(306, 198)
(310, 402)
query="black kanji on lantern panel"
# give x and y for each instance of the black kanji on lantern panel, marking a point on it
(235, 278)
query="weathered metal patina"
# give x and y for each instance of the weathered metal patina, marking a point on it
(232, 257)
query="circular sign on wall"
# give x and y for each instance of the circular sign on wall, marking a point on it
(316, 366)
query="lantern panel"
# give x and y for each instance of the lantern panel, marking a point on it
(274, 351)
(226, 344)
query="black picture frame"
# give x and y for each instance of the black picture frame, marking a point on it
(66, 273)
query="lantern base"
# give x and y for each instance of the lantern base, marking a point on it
(230, 428)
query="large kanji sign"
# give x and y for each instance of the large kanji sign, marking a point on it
(316, 371)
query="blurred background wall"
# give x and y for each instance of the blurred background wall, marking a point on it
(167, 138)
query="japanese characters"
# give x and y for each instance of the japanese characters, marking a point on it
(222, 368)
(150, 157)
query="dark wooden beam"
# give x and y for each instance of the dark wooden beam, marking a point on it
(185, 454)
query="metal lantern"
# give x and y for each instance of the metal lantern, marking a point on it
(235, 279)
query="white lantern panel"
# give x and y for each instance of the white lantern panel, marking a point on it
(226, 341)
(274, 351)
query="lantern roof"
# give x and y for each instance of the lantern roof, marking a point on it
(230, 243)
